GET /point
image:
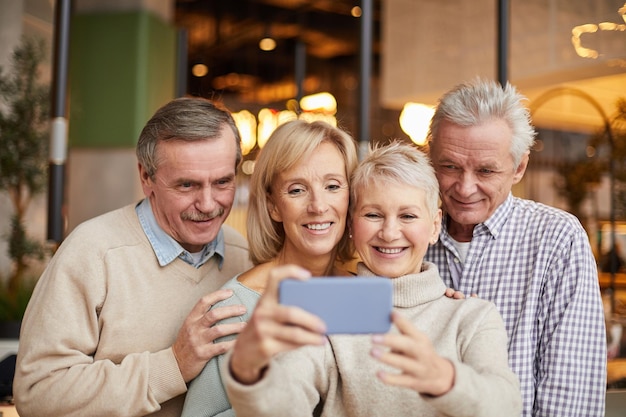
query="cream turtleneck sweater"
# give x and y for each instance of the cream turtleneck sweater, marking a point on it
(339, 379)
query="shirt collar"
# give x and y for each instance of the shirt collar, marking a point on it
(166, 248)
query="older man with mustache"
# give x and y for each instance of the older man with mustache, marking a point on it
(119, 322)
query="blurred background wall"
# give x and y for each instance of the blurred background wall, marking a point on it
(128, 57)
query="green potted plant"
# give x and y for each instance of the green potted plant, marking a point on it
(24, 120)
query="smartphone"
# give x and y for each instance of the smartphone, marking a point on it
(348, 305)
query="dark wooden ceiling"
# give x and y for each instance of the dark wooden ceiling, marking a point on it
(225, 35)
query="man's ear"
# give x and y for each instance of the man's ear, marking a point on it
(146, 181)
(521, 168)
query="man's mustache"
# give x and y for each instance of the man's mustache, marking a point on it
(198, 216)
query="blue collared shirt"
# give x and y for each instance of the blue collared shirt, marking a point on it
(166, 248)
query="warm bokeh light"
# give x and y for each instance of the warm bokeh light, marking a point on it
(199, 70)
(256, 131)
(270, 120)
(266, 126)
(247, 167)
(415, 121)
(312, 116)
(267, 44)
(320, 102)
(246, 123)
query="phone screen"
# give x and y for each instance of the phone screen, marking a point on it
(349, 305)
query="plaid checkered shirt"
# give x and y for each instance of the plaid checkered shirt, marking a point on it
(534, 262)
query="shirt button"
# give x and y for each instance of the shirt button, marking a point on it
(456, 260)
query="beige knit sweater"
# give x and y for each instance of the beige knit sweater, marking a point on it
(341, 376)
(96, 336)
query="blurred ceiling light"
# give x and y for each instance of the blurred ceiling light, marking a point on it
(269, 120)
(267, 44)
(415, 121)
(267, 125)
(578, 31)
(199, 70)
(246, 124)
(320, 102)
(312, 116)
(285, 116)
(356, 11)
(247, 167)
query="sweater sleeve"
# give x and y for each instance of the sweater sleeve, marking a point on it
(484, 384)
(290, 386)
(206, 396)
(60, 369)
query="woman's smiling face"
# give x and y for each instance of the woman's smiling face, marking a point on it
(392, 228)
(311, 200)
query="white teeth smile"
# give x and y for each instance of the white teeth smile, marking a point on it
(318, 226)
(389, 250)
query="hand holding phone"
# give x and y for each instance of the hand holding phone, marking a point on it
(349, 305)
